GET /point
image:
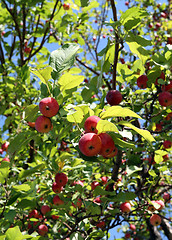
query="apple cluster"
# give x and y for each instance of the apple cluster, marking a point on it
(92, 143)
(4, 148)
(49, 107)
(165, 95)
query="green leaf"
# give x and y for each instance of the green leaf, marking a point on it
(158, 158)
(136, 44)
(22, 187)
(43, 74)
(117, 111)
(144, 133)
(132, 17)
(132, 169)
(152, 173)
(122, 143)
(4, 171)
(29, 172)
(126, 196)
(84, 3)
(106, 126)
(20, 141)
(26, 203)
(30, 112)
(10, 215)
(64, 57)
(14, 234)
(68, 81)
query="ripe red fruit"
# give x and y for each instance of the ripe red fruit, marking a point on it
(6, 159)
(78, 203)
(125, 207)
(61, 179)
(114, 97)
(126, 3)
(45, 209)
(107, 144)
(49, 107)
(57, 200)
(167, 144)
(158, 127)
(158, 25)
(155, 220)
(113, 153)
(55, 217)
(1, 151)
(91, 123)
(94, 38)
(4, 146)
(66, 6)
(79, 182)
(132, 227)
(94, 185)
(101, 224)
(43, 124)
(31, 124)
(142, 81)
(161, 203)
(169, 40)
(104, 180)
(42, 229)
(56, 188)
(168, 117)
(97, 200)
(90, 144)
(127, 235)
(167, 88)
(164, 15)
(165, 99)
(34, 214)
(166, 197)
(27, 50)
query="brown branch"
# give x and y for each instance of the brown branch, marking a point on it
(44, 37)
(116, 47)
(117, 166)
(12, 48)
(166, 228)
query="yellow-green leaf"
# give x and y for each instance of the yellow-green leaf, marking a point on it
(68, 81)
(144, 133)
(106, 126)
(159, 155)
(118, 111)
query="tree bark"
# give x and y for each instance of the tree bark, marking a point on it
(154, 234)
(166, 228)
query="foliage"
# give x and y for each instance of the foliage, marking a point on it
(76, 56)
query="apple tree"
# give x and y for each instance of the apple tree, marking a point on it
(86, 96)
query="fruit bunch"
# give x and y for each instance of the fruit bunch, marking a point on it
(92, 143)
(49, 107)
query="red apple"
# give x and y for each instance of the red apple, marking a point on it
(56, 188)
(132, 227)
(97, 200)
(165, 99)
(91, 123)
(104, 180)
(4, 146)
(125, 207)
(142, 81)
(114, 97)
(166, 197)
(6, 159)
(126, 3)
(155, 220)
(165, 158)
(49, 107)
(43, 124)
(94, 185)
(61, 179)
(31, 124)
(66, 6)
(90, 144)
(57, 200)
(113, 153)
(127, 235)
(101, 224)
(161, 203)
(1, 151)
(158, 127)
(79, 182)
(55, 217)
(45, 209)
(42, 229)
(167, 144)
(107, 144)
(78, 203)
(168, 117)
(167, 88)
(169, 40)
(34, 214)
(27, 50)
